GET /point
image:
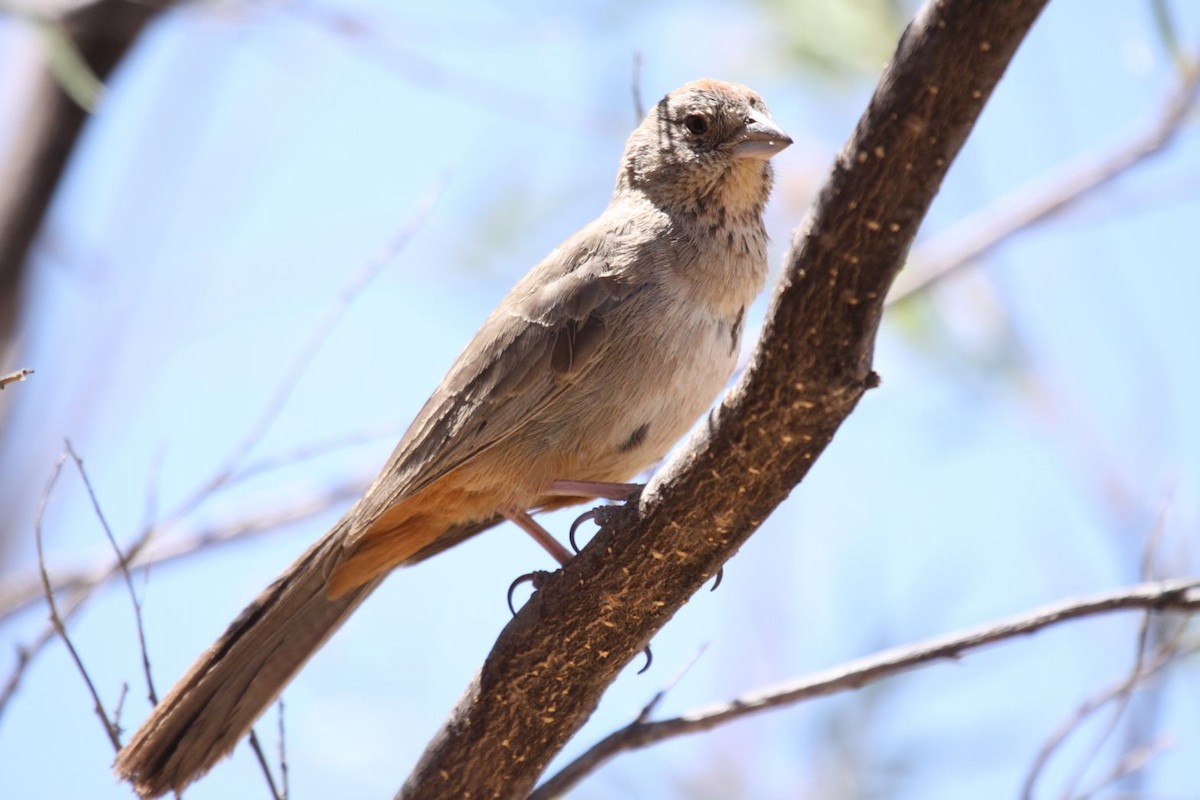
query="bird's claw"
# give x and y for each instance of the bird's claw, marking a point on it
(600, 514)
(582, 518)
(537, 579)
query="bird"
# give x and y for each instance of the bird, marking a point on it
(586, 373)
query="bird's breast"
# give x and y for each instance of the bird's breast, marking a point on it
(656, 387)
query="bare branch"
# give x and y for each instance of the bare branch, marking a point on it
(365, 38)
(1131, 763)
(119, 706)
(26, 653)
(1117, 692)
(1120, 695)
(110, 728)
(122, 567)
(24, 656)
(82, 583)
(1159, 596)
(21, 592)
(978, 235)
(312, 344)
(290, 458)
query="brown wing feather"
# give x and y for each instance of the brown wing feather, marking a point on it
(554, 323)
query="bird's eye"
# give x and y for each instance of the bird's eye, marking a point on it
(696, 124)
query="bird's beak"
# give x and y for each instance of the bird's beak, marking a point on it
(761, 139)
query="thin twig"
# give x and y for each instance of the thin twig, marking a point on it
(367, 39)
(56, 620)
(68, 63)
(1091, 705)
(648, 709)
(978, 235)
(119, 706)
(27, 652)
(18, 593)
(1118, 696)
(14, 377)
(122, 567)
(306, 452)
(1173, 595)
(83, 583)
(639, 108)
(283, 764)
(311, 345)
(24, 656)
(1131, 763)
(262, 762)
(225, 475)
(1123, 698)
(81, 591)
(153, 489)
(1147, 633)
(22, 592)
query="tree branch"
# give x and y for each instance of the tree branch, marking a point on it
(1178, 595)
(1047, 196)
(554, 660)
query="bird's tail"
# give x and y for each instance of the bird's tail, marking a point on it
(205, 714)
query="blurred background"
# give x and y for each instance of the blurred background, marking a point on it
(281, 222)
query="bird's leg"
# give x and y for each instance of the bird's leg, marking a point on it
(602, 490)
(522, 520)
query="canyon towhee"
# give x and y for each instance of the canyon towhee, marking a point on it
(589, 370)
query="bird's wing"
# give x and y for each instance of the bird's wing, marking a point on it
(546, 334)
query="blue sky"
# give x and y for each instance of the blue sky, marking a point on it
(1035, 420)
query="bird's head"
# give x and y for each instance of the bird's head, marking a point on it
(705, 144)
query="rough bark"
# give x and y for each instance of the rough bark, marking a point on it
(552, 663)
